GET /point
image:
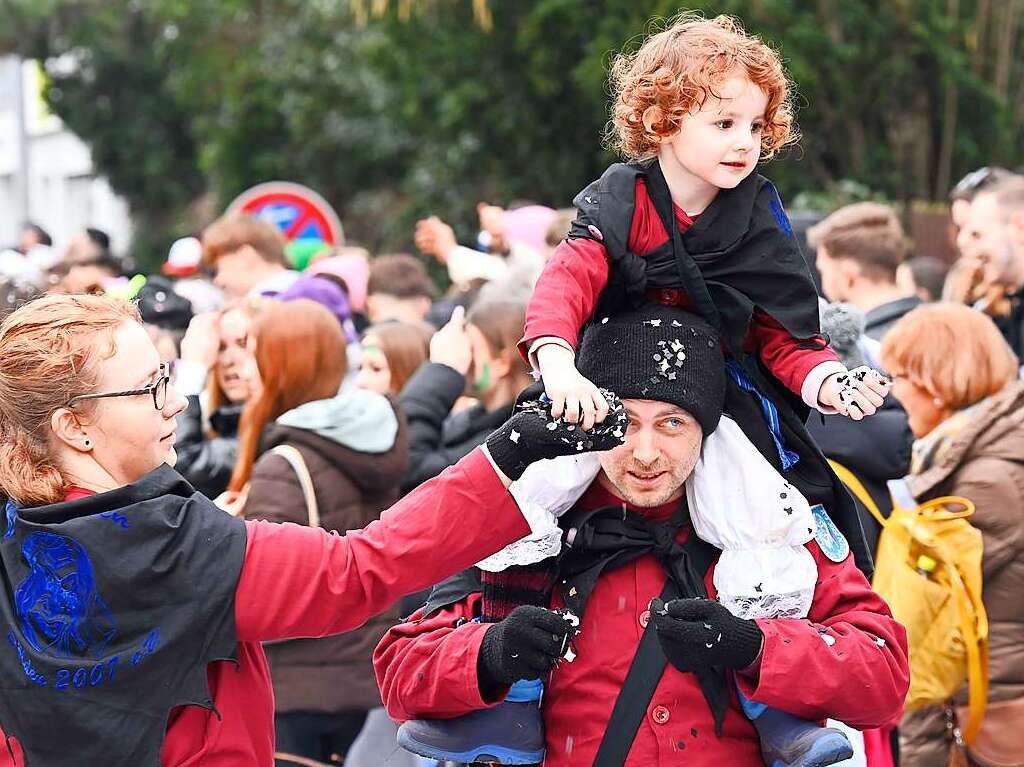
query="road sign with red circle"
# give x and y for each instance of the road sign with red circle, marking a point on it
(298, 211)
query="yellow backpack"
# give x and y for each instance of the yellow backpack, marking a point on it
(928, 569)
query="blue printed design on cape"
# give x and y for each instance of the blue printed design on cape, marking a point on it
(59, 609)
(12, 518)
(832, 542)
(780, 212)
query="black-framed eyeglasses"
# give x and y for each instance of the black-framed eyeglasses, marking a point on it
(158, 390)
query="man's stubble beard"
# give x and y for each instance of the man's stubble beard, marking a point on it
(648, 501)
(678, 476)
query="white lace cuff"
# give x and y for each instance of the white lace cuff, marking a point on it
(766, 583)
(544, 493)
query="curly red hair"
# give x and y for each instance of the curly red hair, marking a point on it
(677, 69)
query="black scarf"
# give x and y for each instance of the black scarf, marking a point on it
(111, 609)
(611, 537)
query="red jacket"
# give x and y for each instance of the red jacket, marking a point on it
(302, 582)
(427, 669)
(568, 289)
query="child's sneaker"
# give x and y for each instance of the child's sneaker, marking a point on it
(789, 741)
(510, 733)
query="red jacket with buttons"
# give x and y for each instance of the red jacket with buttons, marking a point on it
(302, 582)
(426, 668)
(568, 289)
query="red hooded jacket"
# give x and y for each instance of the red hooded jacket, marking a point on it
(303, 582)
(427, 668)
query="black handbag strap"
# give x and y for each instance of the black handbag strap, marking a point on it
(644, 672)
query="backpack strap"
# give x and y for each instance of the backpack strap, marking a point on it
(644, 673)
(295, 459)
(974, 625)
(860, 492)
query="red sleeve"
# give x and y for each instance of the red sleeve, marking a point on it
(426, 669)
(566, 293)
(851, 653)
(782, 354)
(5, 757)
(568, 288)
(303, 582)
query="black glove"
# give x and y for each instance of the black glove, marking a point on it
(526, 645)
(531, 435)
(700, 633)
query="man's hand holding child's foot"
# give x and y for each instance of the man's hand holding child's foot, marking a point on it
(856, 394)
(573, 398)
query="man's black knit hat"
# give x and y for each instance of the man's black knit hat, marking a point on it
(658, 352)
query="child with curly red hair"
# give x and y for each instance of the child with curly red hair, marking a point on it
(687, 221)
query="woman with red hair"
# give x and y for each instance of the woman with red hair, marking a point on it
(353, 446)
(958, 380)
(135, 610)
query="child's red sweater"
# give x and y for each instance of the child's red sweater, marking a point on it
(567, 292)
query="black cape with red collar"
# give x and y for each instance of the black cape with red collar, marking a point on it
(112, 607)
(738, 256)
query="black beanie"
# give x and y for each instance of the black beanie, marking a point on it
(661, 353)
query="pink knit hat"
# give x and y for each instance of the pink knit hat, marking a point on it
(353, 266)
(529, 225)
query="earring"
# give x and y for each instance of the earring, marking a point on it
(88, 443)
(938, 402)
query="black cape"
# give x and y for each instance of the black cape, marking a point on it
(111, 609)
(742, 246)
(739, 255)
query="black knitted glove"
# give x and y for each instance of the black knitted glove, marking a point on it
(526, 645)
(531, 435)
(699, 633)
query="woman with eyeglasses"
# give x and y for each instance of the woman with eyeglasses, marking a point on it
(957, 378)
(132, 610)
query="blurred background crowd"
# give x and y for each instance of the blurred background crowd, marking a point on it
(449, 136)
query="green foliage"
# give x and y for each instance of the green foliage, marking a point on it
(408, 114)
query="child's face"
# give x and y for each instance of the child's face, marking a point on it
(719, 145)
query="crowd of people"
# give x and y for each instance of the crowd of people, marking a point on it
(601, 422)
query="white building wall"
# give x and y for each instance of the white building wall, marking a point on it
(64, 195)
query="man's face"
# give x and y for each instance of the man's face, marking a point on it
(662, 446)
(836, 275)
(381, 307)
(81, 248)
(238, 272)
(85, 278)
(984, 242)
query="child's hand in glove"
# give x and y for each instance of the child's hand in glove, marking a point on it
(855, 394)
(532, 434)
(573, 397)
(699, 633)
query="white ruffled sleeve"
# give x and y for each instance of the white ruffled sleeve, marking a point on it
(741, 504)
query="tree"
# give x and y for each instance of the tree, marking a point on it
(107, 80)
(396, 110)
